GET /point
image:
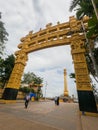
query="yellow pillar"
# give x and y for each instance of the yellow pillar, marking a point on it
(86, 97)
(65, 84)
(11, 90)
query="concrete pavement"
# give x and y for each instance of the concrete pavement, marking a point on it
(44, 116)
(89, 123)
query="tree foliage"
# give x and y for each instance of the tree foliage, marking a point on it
(96, 55)
(85, 7)
(6, 66)
(24, 89)
(72, 75)
(74, 4)
(30, 77)
(93, 27)
(3, 36)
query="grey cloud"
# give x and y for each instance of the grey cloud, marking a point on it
(39, 12)
(36, 6)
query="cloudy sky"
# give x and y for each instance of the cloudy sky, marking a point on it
(22, 16)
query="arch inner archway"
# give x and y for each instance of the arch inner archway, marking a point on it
(68, 33)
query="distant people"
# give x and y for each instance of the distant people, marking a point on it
(27, 99)
(55, 99)
(58, 100)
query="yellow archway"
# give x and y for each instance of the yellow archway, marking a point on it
(69, 33)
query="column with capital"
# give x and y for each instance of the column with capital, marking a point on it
(65, 84)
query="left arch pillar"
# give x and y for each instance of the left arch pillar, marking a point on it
(11, 90)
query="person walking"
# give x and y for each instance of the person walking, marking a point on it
(27, 99)
(58, 101)
(55, 100)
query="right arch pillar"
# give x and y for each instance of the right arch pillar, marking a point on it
(84, 90)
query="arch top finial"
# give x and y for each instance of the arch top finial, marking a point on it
(22, 39)
(48, 25)
(58, 22)
(31, 32)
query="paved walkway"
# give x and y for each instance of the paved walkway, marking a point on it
(44, 116)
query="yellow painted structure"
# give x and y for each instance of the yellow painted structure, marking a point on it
(65, 84)
(68, 33)
(61, 34)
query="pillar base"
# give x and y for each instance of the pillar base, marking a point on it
(89, 114)
(87, 101)
(2, 101)
(10, 94)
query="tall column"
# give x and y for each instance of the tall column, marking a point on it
(11, 90)
(65, 83)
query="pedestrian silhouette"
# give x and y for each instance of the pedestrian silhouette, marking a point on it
(27, 99)
(57, 100)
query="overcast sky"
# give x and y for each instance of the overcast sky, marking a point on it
(22, 16)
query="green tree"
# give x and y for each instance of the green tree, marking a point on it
(74, 4)
(30, 77)
(72, 75)
(6, 67)
(85, 7)
(93, 27)
(39, 94)
(3, 36)
(24, 89)
(1, 71)
(96, 55)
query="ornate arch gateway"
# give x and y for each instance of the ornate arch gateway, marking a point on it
(69, 33)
